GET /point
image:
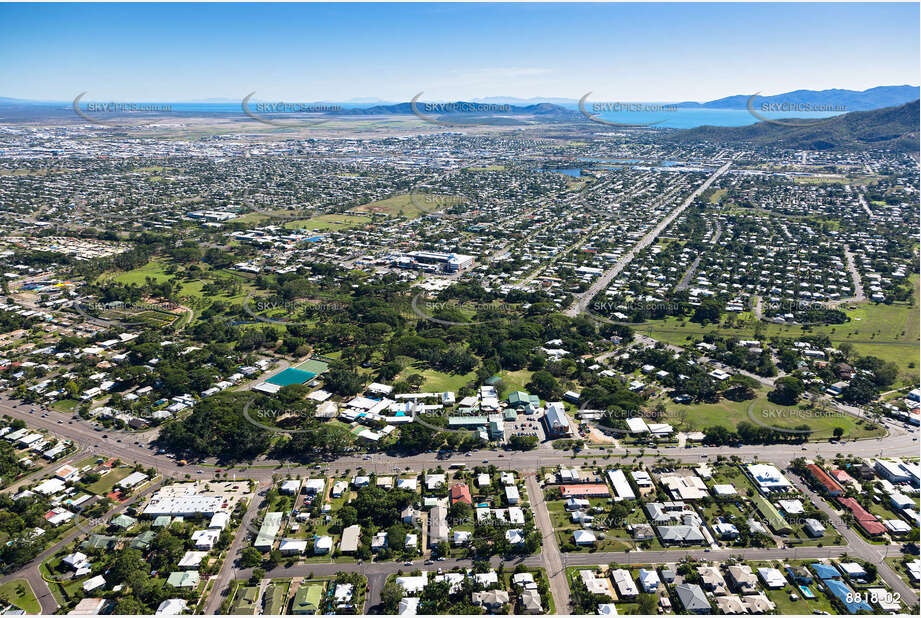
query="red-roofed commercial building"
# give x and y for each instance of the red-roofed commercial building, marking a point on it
(866, 520)
(461, 493)
(831, 486)
(588, 490)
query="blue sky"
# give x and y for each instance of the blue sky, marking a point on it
(309, 52)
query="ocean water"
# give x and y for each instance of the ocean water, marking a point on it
(575, 172)
(692, 118)
(679, 119)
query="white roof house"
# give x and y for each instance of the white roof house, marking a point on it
(323, 545)
(292, 546)
(219, 520)
(135, 478)
(192, 559)
(350, 537)
(772, 577)
(172, 607)
(626, 587)
(413, 584)
(94, 583)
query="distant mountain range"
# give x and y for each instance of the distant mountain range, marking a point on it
(849, 100)
(548, 111)
(894, 128)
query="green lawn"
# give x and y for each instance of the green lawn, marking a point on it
(514, 381)
(616, 538)
(761, 411)
(437, 381)
(156, 270)
(65, 405)
(18, 592)
(408, 205)
(279, 590)
(105, 484)
(486, 168)
(328, 223)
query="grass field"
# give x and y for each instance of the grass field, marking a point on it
(832, 180)
(889, 332)
(65, 405)
(514, 381)
(156, 270)
(328, 223)
(408, 205)
(437, 381)
(19, 593)
(763, 412)
(397, 206)
(105, 484)
(487, 168)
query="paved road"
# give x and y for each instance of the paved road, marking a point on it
(898, 443)
(856, 545)
(377, 572)
(222, 580)
(586, 297)
(30, 571)
(855, 275)
(550, 555)
(863, 204)
(686, 279)
(664, 556)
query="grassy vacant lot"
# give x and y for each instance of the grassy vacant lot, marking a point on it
(763, 412)
(105, 484)
(437, 381)
(19, 593)
(832, 180)
(409, 206)
(487, 168)
(514, 381)
(328, 223)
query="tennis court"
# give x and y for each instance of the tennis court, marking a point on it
(314, 366)
(291, 376)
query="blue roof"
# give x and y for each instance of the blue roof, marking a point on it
(825, 571)
(844, 594)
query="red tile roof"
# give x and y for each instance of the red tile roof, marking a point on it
(831, 485)
(865, 519)
(461, 493)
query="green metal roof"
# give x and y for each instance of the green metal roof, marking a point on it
(771, 514)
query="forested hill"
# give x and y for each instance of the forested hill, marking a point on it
(894, 128)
